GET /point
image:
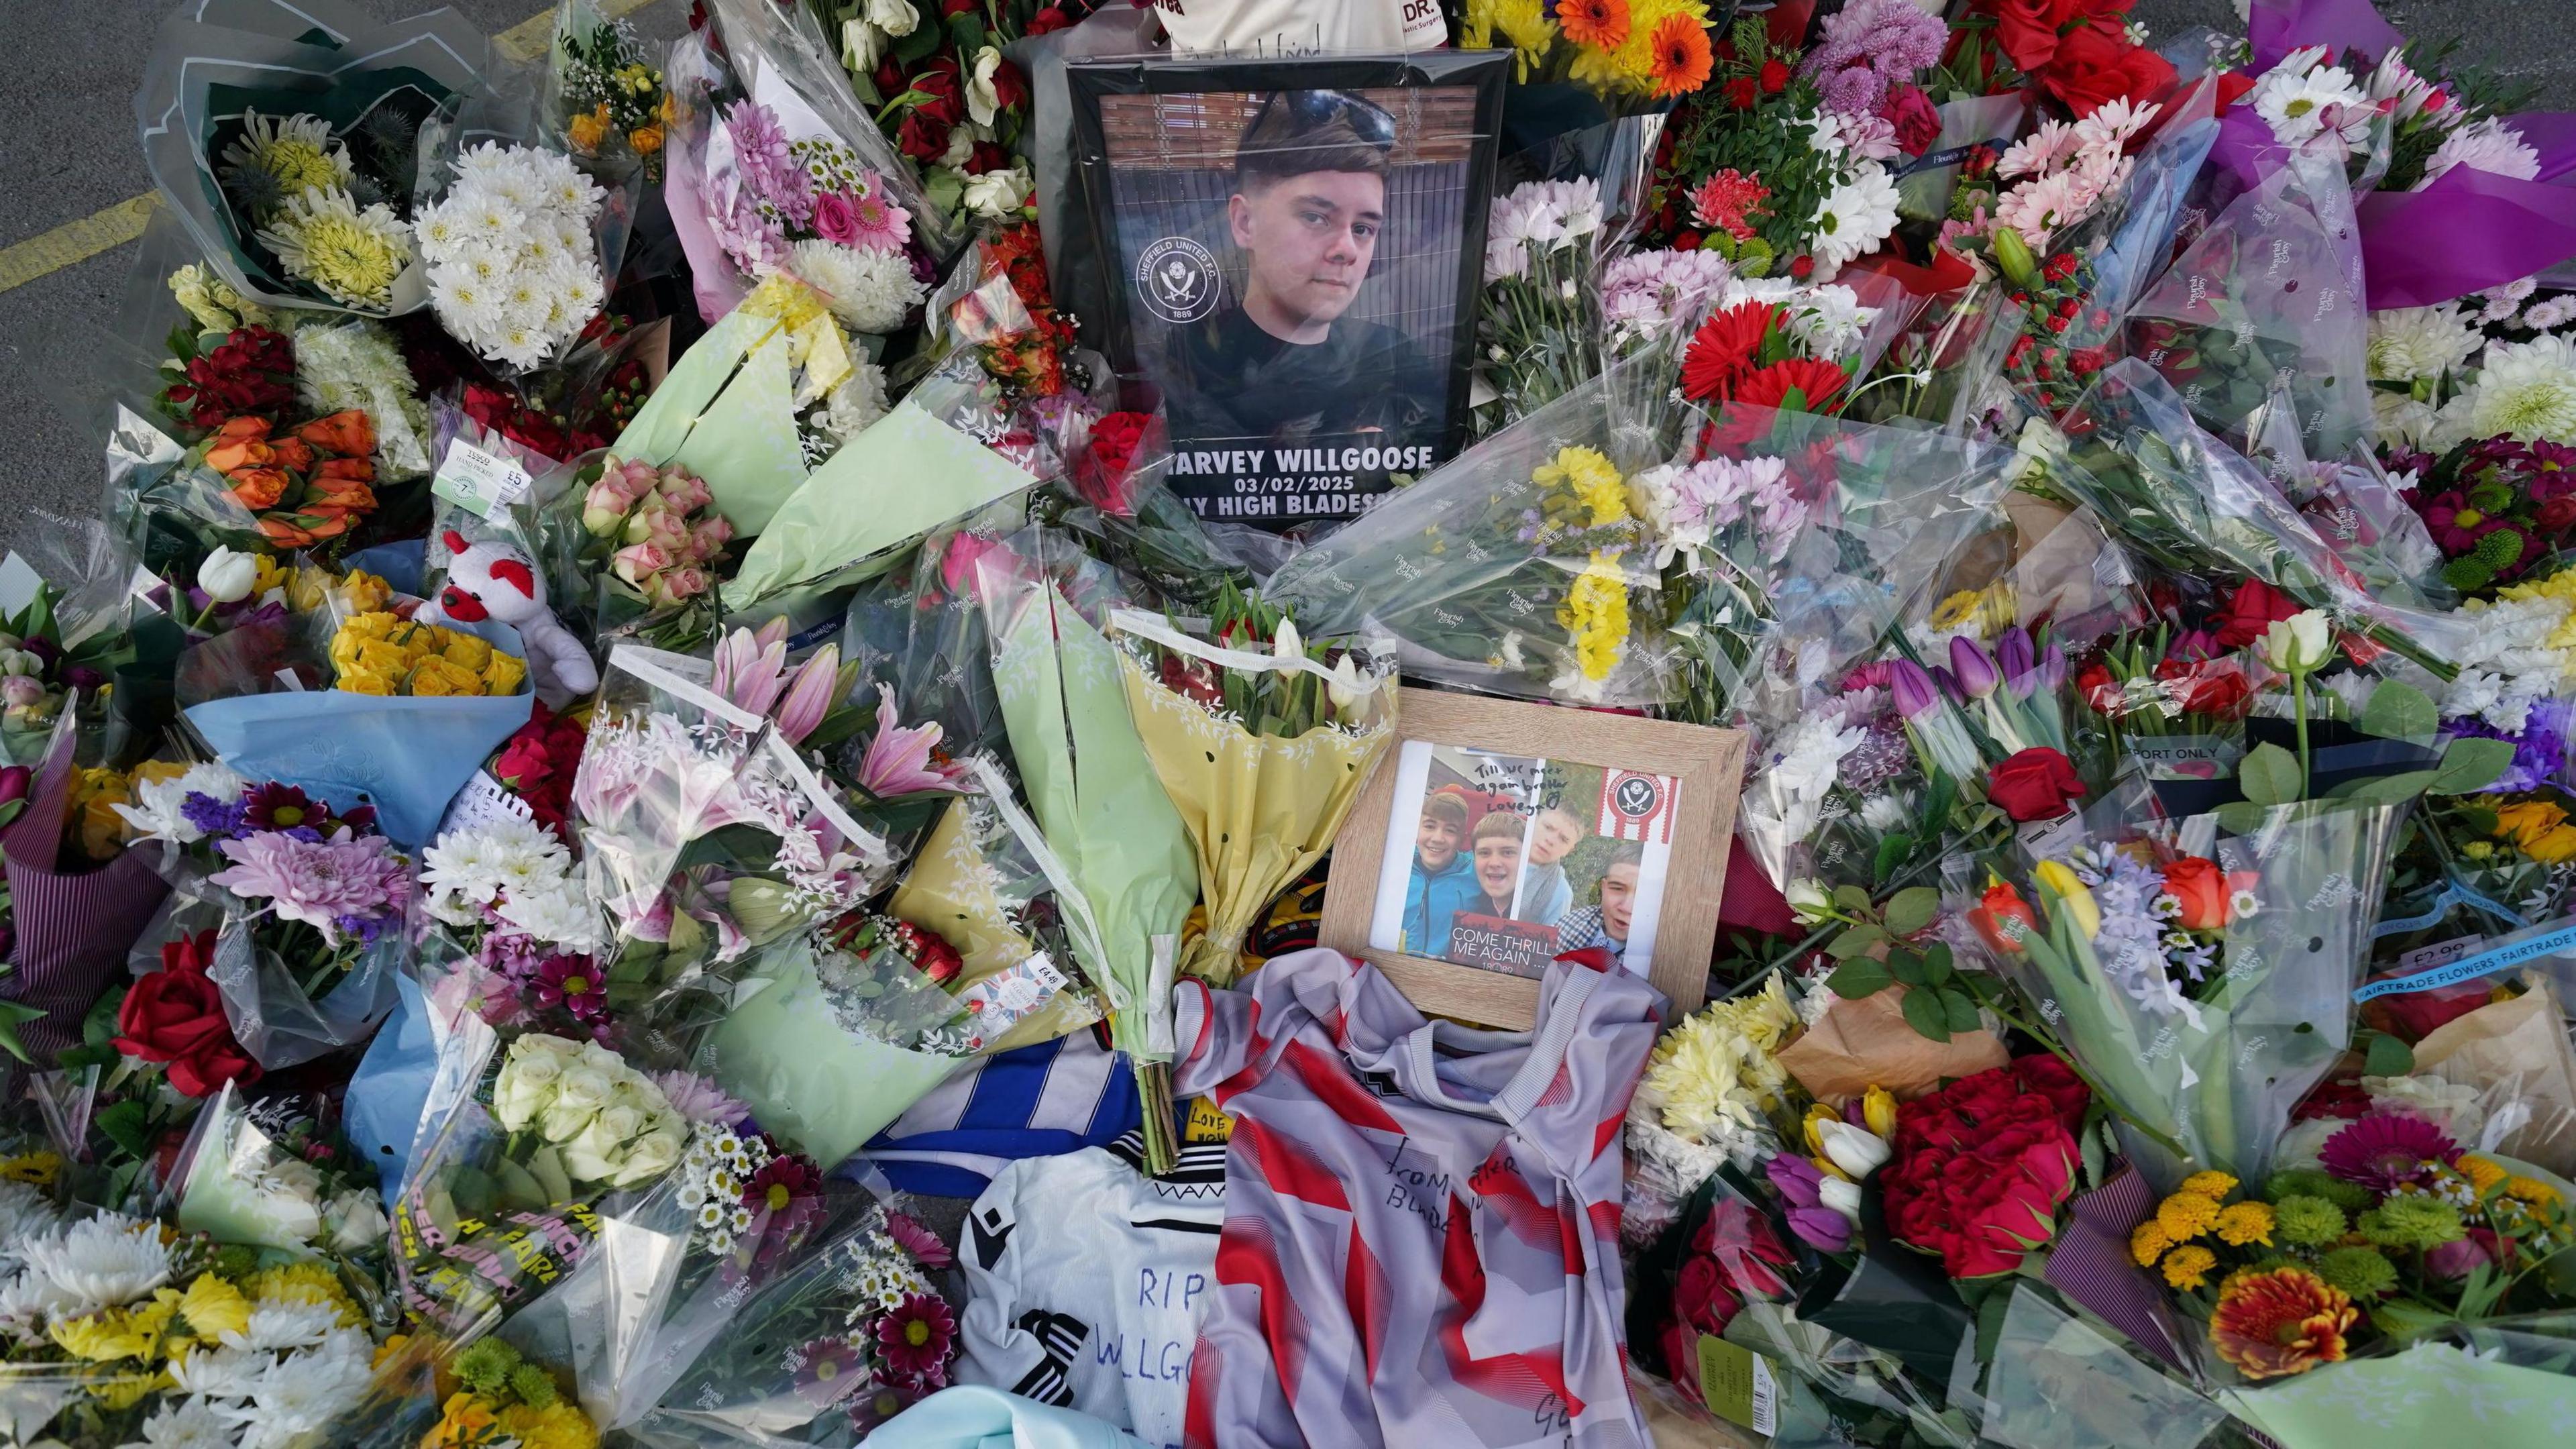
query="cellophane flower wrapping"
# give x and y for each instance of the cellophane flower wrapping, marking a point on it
(1520, 567)
(265, 1177)
(1261, 797)
(977, 884)
(2057, 1381)
(2209, 1037)
(705, 836)
(2511, 1374)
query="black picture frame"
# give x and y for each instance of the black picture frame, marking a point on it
(1481, 74)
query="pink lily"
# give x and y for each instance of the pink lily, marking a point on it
(751, 668)
(898, 760)
(809, 695)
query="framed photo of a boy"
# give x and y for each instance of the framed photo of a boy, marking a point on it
(1294, 248)
(1502, 834)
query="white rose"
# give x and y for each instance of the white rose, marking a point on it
(355, 1221)
(578, 1098)
(894, 17)
(983, 100)
(997, 195)
(600, 1152)
(652, 1154)
(861, 46)
(290, 1211)
(526, 1085)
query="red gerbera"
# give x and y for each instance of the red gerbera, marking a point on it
(273, 806)
(1728, 201)
(914, 1339)
(572, 983)
(1799, 384)
(1724, 349)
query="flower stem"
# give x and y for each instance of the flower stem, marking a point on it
(2299, 698)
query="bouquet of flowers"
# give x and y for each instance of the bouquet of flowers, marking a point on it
(511, 262)
(267, 1175)
(946, 96)
(300, 486)
(123, 1331)
(311, 903)
(1629, 53)
(1263, 751)
(502, 1395)
(1518, 567)
(604, 96)
(652, 539)
(1538, 330)
(382, 653)
(505, 888)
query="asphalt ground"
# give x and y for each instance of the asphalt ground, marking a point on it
(72, 167)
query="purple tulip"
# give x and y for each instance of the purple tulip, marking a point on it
(1797, 1180)
(2052, 667)
(1973, 667)
(1821, 1228)
(1914, 690)
(15, 782)
(1948, 681)
(2015, 661)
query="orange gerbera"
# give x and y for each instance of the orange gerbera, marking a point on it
(2283, 1322)
(1601, 24)
(1679, 58)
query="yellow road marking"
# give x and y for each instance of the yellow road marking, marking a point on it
(102, 231)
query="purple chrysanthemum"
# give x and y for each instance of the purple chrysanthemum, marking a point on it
(2385, 1151)
(216, 819)
(2539, 752)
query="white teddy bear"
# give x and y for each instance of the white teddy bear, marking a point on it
(496, 581)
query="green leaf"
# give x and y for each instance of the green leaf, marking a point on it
(1891, 853)
(2389, 1057)
(1905, 966)
(128, 1125)
(2469, 766)
(1962, 1009)
(2399, 711)
(1911, 909)
(1937, 965)
(2394, 789)
(1852, 898)
(12, 1013)
(1854, 941)
(2269, 775)
(1855, 979)
(2240, 817)
(1924, 1012)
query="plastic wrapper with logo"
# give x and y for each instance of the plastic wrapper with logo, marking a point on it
(2508, 1378)
(237, 183)
(263, 1177)
(1519, 567)
(977, 884)
(2205, 1032)
(1262, 750)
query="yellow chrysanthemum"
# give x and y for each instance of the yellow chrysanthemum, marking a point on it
(214, 1307)
(1520, 24)
(1593, 481)
(2148, 1243)
(305, 1282)
(124, 1391)
(1595, 616)
(2186, 1215)
(2188, 1266)
(1631, 67)
(2209, 1184)
(1720, 1068)
(290, 153)
(2482, 1174)
(2530, 1190)
(2245, 1222)
(556, 1426)
(118, 1333)
(354, 256)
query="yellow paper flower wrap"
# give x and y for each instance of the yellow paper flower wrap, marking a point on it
(949, 893)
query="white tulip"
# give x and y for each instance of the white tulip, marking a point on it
(894, 17)
(1843, 1197)
(1856, 1150)
(1809, 901)
(227, 576)
(1288, 646)
(2299, 644)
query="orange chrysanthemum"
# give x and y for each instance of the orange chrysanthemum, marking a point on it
(1680, 56)
(1601, 24)
(2283, 1322)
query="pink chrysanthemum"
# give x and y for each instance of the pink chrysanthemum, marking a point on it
(914, 1339)
(334, 886)
(923, 1244)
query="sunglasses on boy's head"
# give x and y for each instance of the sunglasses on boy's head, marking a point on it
(1314, 110)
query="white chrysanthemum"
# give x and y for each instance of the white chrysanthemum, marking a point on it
(2299, 104)
(223, 1373)
(286, 154)
(304, 1394)
(188, 1423)
(516, 277)
(560, 914)
(2407, 343)
(2403, 419)
(2525, 390)
(102, 1262)
(354, 364)
(1853, 219)
(354, 256)
(855, 401)
(869, 290)
(2490, 146)
(276, 1326)
(464, 866)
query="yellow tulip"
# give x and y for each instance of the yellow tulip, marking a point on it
(2072, 894)
(1878, 1109)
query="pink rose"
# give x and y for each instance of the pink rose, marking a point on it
(686, 493)
(958, 566)
(638, 562)
(711, 535)
(606, 504)
(684, 583)
(837, 218)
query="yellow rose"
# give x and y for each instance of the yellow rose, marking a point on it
(588, 129)
(362, 591)
(381, 657)
(438, 679)
(95, 795)
(465, 650)
(365, 681)
(504, 674)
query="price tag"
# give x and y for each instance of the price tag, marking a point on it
(2440, 953)
(2053, 839)
(1738, 1383)
(479, 482)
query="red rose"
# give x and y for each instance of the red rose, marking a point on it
(1010, 88)
(1681, 1358)
(2097, 65)
(923, 137)
(1048, 21)
(987, 156)
(2343, 1100)
(1741, 1243)
(2098, 687)
(2043, 1073)
(2417, 1014)
(1701, 1297)
(2557, 515)
(1982, 1166)
(2027, 29)
(176, 1015)
(2253, 608)
(2212, 687)
(2035, 784)
(1917, 121)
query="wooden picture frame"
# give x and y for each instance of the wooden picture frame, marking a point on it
(1705, 767)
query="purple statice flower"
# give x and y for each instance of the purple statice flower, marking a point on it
(318, 883)
(1869, 46)
(216, 819)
